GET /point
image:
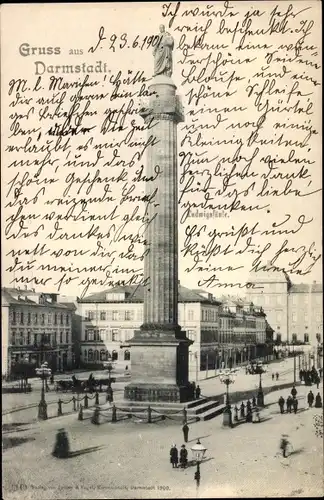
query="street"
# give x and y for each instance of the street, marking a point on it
(131, 459)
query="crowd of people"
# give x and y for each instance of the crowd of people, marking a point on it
(310, 377)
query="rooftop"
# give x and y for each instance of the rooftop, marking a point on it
(15, 296)
(135, 293)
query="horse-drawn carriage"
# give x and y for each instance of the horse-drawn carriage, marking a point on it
(83, 385)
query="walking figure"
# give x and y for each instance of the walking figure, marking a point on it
(289, 404)
(253, 402)
(185, 430)
(198, 392)
(318, 401)
(284, 444)
(310, 399)
(277, 376)
(294, 391)
(248, 406)
(281, 403)
(242, 408)
(183, 457)
(174, 456)
(273, 376)
(61, 447)
(295, 404)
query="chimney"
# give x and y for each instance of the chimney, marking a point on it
(314, 282)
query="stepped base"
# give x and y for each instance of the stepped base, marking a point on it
(156, 392)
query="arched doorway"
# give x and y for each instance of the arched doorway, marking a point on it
(126, 355)
(114, 355)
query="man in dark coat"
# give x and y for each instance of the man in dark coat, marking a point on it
(310, 399)
(174, 456)
(300, 375)
(183, 457)
(242, 408)
(318, 401)
(185, 430)
(273, 376)
(295, 404)
(317, 381)
(277, 376)
(293, 392)
(61, 447)
(281, 403)
(198, 392)
(289, 403)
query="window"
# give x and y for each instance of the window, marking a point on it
(190, 315)
(90, 335)
(85, 354)
(306, 299)
(126, 355)
(318, 299)
(103, 315)
(278, 337)
(21, 318)
(114, 356)
(14, 318)
(55, 319)
(96, 355)
(67, 320)
(35, 319)
(294, 300)
(28, 318)
(61, 319)
(35, 338)
(279, 301)
(13, 338)
(61, 337)
(191, 334)
(90, 355)
(90, 315)
(114, 335)
(294, 337)
(103, 355)
(306, 338)
(115, 315)
(318, 337)
(96, 335)
(67, 337)
(306, 317)
(294, 317)
(128, 315)
(42, 319)
(49, 319)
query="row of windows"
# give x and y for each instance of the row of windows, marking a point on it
(111, 315)
(21, 317)
(103, 355)
(296, 299)
(22, 338)
(209, 315)
(104, 335)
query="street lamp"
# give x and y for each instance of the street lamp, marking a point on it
(198, 452)
(260, 396)
(227, 378)
(43, 372)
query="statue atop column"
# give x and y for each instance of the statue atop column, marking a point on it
(162, 53)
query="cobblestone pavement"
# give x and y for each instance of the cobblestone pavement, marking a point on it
(131, 460)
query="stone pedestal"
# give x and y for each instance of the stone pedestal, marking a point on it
(159, 349)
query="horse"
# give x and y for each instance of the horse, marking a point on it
(63, 385)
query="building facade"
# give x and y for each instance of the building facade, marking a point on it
(222, 334)
(35, 327)
(295, 312)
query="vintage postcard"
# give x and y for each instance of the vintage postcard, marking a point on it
(162, 298)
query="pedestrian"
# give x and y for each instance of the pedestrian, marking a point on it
(317, 381)
(300, 375)
(288, 403)
(198, 392)
(281, 403)
(253, 402)
(174, 456)
(295, 404)
(294, 391)
(183, 457)
(185, 430)
(248, 406)
(61, 447)
(310, 399)
(257, 417)
(52, 379)
(284, 444)
(318, 401)
(320, 372)
(273, 376)
(242, 410)
(249, 416)
(277, 376)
